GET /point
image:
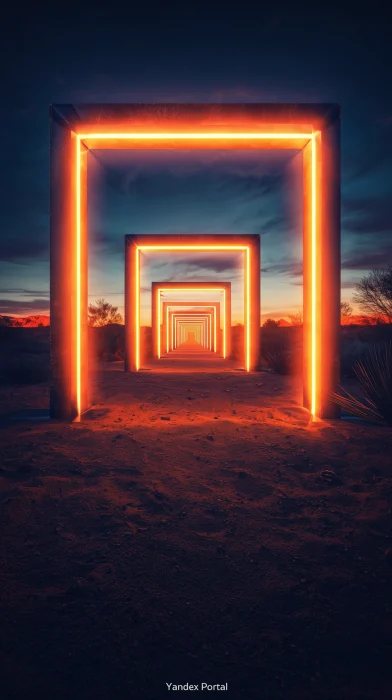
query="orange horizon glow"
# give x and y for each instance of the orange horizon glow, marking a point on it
(199, 136)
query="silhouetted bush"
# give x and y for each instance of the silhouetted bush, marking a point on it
(280, 360)
(119, 348)
(374, 374)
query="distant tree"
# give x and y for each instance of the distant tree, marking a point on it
(270, 323)
(297, 319)
(373, 293)
(102, 313)
(5, 321)
(345, 311)
(365, 320)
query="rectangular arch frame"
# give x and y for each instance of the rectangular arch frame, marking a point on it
(180, 287)
(313, 129)
(202, 322)
(168, 307)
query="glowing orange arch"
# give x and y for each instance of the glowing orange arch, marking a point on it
(314, 129)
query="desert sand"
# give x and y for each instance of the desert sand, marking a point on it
(193, 527)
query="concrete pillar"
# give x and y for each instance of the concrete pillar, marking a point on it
(327, 316)
(254, 301)
(132, 357)
(228, 321)
(65, 400)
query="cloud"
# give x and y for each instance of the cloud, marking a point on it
(367, 215)
(292, 268)
(12, 306)
(367, 259)
(32, 246)
(345, 284)
(25, 292)
(212, 264)
(362, 161)
(109, 243)
(159, 173)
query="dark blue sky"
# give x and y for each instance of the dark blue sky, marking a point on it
(211, 53)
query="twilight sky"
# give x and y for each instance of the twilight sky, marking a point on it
(213, 53)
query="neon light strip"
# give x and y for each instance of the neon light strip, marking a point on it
(184, 136)
(159, 324)
(167, 329)
(137, 298)
(192, 247)
(164, 136)
(78, 283)
(247, 310)
(313, 405)
(191, 289)
(224, 324)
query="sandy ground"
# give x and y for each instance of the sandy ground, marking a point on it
(183, 532)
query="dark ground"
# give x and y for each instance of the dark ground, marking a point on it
(210, 547)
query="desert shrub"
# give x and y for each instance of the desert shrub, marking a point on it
(119, 347)
(271, 323)
(374, 375)
(105, 341)
(102, 313)
(23, 371)
(280, 360)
